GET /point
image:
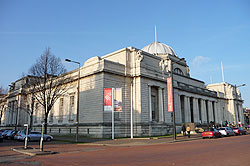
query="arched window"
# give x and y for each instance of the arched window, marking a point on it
(178, 71)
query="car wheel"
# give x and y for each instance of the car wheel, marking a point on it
(48, 139)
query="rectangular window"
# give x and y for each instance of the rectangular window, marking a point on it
(60, 120)
(71, 108)
(154, 104)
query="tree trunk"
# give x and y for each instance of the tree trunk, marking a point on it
(32, 110)
(31, 121)
(45, 123)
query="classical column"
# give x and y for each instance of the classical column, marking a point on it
(241, 113)
(187, 109)
(13, 113)
(210, 111)
(178, 116)
(203, 112)
(196, 110)
(161, 117)
(218, 118)
(150, 106)
(7, 116)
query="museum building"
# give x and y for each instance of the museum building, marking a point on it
(142, 76)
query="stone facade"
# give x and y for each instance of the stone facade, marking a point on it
(142, 75)
(231, 102)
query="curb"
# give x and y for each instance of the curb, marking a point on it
(32, 151)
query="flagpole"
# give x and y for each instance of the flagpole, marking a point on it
(155, 40)
(222, 71)
(131, 111)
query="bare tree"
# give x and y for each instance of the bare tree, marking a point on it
(3, 90)
(50, 82)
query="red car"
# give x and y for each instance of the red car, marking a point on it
(211, 133)
(239, 131)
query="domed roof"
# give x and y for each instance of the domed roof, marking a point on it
(161, 49)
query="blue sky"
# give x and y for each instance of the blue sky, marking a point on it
(205, 33)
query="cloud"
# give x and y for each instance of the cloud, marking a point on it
(199, 60)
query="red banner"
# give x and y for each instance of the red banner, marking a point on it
(108, 99)
(170, 94)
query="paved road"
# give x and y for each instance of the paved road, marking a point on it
(229, 151)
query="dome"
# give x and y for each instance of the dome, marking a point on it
(161, 49)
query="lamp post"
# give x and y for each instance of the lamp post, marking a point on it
(172, 76)
(78, 90)
(236, 99)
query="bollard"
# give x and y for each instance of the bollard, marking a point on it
(41, 141)
(26, 138)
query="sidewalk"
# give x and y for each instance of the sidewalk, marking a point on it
(106, 142)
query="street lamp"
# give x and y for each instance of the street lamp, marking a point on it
(174, 123)
(236, 99)
(78, 90)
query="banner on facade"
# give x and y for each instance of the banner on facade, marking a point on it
(108, 99)
(117, 99)
(170, 94)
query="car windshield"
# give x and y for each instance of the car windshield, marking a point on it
(222, 129)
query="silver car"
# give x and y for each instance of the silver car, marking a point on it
(35, 136)
(226, 131)
(19, 135)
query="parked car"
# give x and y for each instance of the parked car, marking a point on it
(35, 136)
(211, 133)
(5, 132)
(226, 131)
(239, 131)
(20, 134)
(8, 135)
(11, 134)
